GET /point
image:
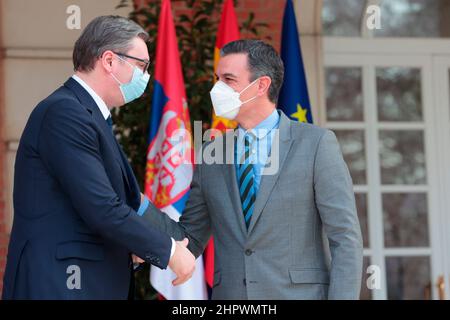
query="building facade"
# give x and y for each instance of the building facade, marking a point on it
(378, 75)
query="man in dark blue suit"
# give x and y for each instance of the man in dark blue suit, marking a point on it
(77, 204)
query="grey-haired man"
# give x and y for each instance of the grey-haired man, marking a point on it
(76, 200)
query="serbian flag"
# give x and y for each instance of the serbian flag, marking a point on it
(294, 98)
(169, 167)
(228, 31)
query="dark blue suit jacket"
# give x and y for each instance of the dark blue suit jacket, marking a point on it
(75, 201)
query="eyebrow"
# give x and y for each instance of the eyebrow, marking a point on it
(230, 75)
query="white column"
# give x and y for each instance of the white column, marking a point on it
(309, 20)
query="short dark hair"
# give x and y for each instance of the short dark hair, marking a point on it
(263, 60)
(104, 33)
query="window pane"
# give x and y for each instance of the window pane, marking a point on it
(366, 293)
(408, 278)
(405, 220)
(402, 156)
(344, 97)
(414, 18)
(342, 17)
(399, 94)
(352, 146)
(361, 206)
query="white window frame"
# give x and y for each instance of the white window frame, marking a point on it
(340, 52)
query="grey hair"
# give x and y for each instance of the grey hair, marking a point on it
(104, 33)
(262, 60)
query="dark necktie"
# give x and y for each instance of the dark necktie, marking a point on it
(246, 179)
(109, 122)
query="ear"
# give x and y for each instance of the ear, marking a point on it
(264, 85)
(106, 61)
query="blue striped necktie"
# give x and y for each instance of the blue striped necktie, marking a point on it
(246, 180)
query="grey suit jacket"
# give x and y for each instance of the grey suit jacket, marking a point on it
(282, 255)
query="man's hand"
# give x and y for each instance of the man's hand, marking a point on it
(182, 262)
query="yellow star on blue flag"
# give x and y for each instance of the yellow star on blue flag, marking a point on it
(301, 114)
(294, 98)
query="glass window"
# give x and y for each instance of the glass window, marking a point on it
(405, 218)
(399, 94)
(353, 149)
(402, 156)
(344, 98)
(415, 18)
(399, 18)
(361, 208)
(342, 17)
(408, 278)
(366, 293)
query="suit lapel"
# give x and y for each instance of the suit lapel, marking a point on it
(283, 138)
(87, 101)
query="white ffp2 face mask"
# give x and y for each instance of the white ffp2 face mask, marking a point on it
(226, 101)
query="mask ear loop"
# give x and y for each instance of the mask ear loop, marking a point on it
(251, 99)
(248, 86)
(133, 66)
(125, 61)
(117, 80)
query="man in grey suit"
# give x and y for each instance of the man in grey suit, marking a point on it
(268, 209)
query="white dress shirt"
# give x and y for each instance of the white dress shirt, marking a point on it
(99, 101)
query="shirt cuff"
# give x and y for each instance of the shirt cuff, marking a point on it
(143, 207)
(172, 250)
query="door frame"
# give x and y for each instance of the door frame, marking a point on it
(441, 86)
(368, 53)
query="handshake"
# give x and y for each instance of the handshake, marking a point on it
(182, 262)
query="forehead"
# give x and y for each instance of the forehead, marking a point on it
(138, 49)
(235, 64)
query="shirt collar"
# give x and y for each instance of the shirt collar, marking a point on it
(264, 127)
(99, 101)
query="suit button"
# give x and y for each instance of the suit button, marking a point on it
(248, 252)
(245, 282)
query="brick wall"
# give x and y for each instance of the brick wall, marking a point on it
(269, 12)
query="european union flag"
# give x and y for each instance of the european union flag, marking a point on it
(294, 98)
